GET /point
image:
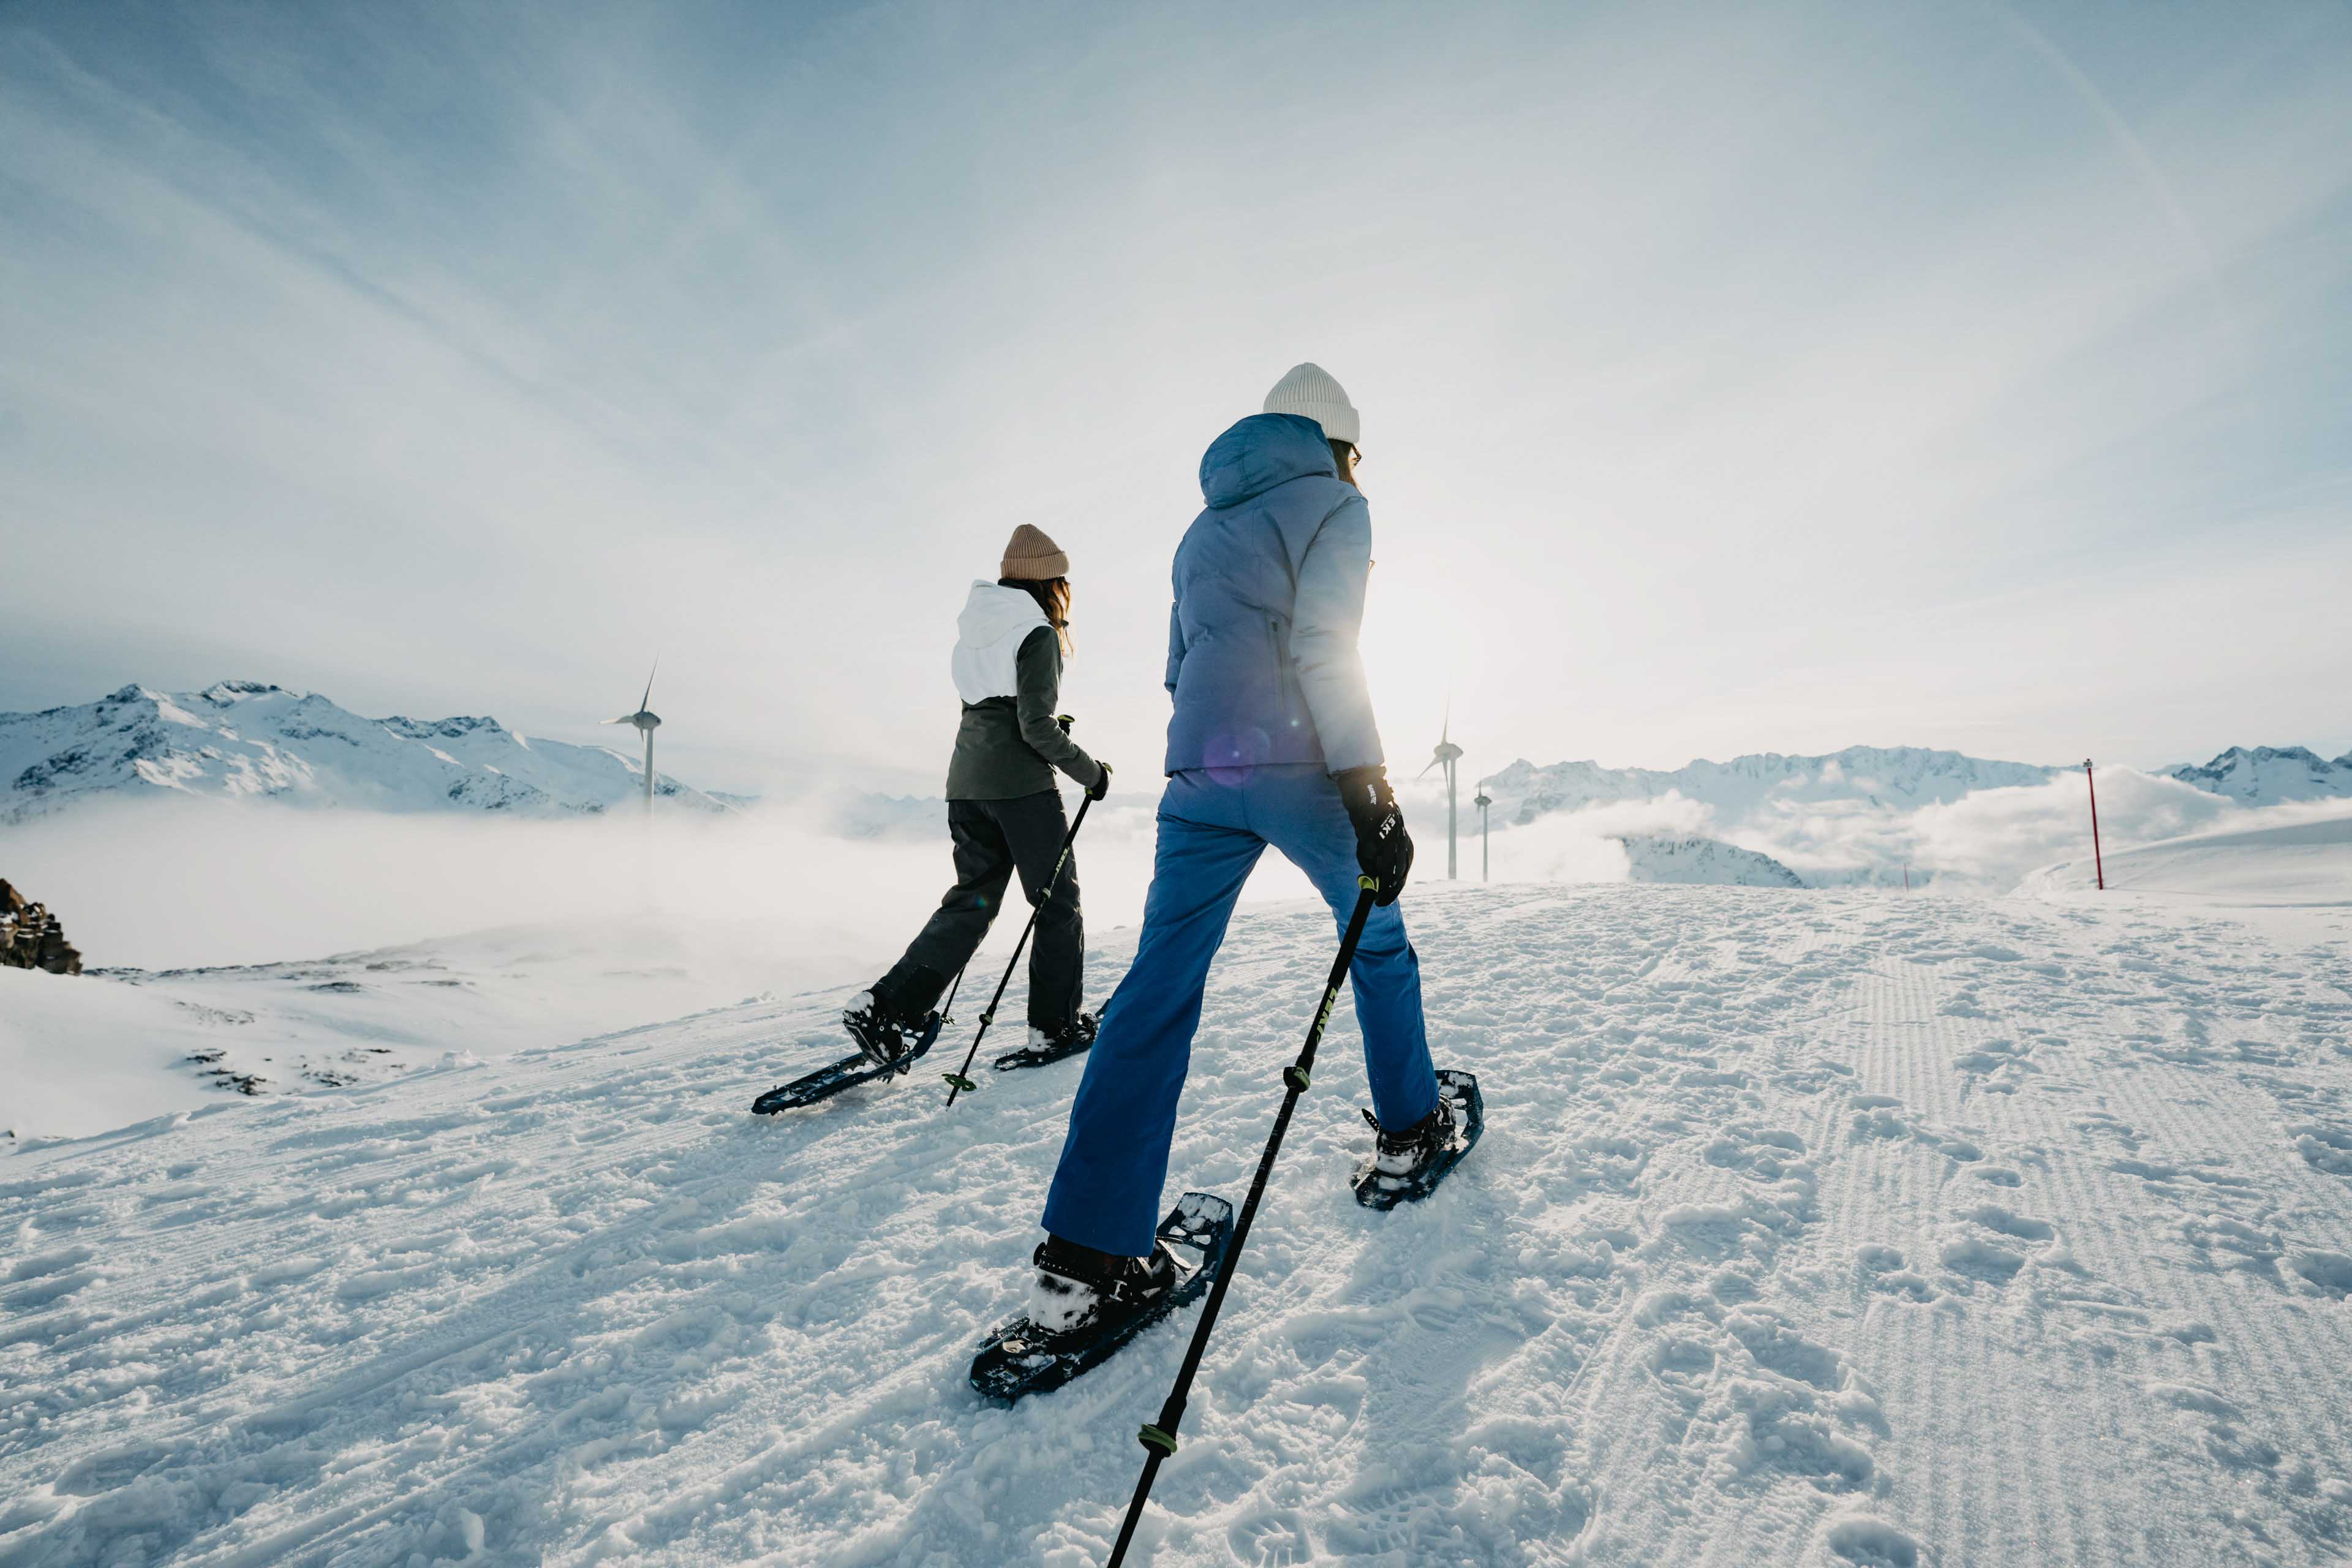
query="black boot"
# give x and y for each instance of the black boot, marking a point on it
(1402, 1154)
(880, 1029)
(1079, 1288)
(1067, 1039)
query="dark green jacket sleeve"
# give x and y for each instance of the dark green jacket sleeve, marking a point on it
(1039, 670)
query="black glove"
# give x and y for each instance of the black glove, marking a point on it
(1383, 848)
(1065, 720)
(1102, 786)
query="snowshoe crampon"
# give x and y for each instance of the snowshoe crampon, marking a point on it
(1020, 1358)
(1079, 1037)
(1376, 1189)
(846, 1073)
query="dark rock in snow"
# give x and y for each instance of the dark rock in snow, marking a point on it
(31, 937)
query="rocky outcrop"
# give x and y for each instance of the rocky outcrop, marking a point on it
(31, 937)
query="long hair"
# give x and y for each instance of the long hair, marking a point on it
(1053, 596)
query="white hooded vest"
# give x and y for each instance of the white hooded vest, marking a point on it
(996, 622)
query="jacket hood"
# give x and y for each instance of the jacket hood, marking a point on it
(1261, 452)
(995, 613)
(996, 622)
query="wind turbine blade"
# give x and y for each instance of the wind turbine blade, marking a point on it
(648, 697)
(1425, 773)
(1446, 735)
(622, 720)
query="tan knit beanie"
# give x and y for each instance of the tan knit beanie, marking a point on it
(1034, 558)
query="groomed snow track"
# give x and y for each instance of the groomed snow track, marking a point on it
(1824, 1228)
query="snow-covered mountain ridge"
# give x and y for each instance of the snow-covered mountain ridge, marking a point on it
(2266, 776)
(1897, 777)
(246, 738)
(1710, 862)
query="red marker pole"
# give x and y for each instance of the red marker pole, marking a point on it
(2097, 859)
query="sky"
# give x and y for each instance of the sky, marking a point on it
(1733, 378)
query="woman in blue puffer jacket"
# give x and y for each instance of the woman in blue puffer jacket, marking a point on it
(1271, 742)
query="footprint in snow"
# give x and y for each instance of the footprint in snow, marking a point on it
(1882, 1269)
(1977, 1258)
(1681, 1365)
(1270, 1536)
(1992, 1217)
(1763, 1153)
(2222, 1424)
(2325, 1147)
(1872, 1543)
(2242, 1247)
(1997, 1067)
(2327, 1273)
(1875, 1116)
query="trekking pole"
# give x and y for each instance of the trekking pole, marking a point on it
(1160, 1437)
(959, 1080)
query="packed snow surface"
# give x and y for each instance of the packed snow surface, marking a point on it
(1824, 1228)
(243, 739)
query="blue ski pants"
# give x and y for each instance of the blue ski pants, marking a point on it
(1107, 1190)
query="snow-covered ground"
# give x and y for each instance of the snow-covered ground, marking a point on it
(2291, 874)
(2304, 863)
(85, 1054)
(1809, 1227)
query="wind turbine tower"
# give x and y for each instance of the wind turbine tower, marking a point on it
(1486, 860)
(646, 721)
(1445, 756)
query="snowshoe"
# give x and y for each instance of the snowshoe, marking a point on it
(1407, 1164)
(1077, 1035)
(846, 1073)
(1089, 1315)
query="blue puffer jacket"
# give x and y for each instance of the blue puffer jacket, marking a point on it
(1269, 592)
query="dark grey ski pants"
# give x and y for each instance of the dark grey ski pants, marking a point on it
(994, 838)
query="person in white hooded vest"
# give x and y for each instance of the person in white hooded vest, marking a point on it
(1004, 813)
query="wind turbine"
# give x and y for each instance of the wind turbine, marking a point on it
(1445, 756)
(1486, 860)
(646, 721)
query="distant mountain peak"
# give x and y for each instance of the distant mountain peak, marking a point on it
(251, 739)
(222, 693)
(1897, 776)
(1686, 859)
(2265, 775)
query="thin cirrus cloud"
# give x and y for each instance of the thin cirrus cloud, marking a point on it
(1732, 380)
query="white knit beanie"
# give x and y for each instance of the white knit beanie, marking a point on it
(1308, 390)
